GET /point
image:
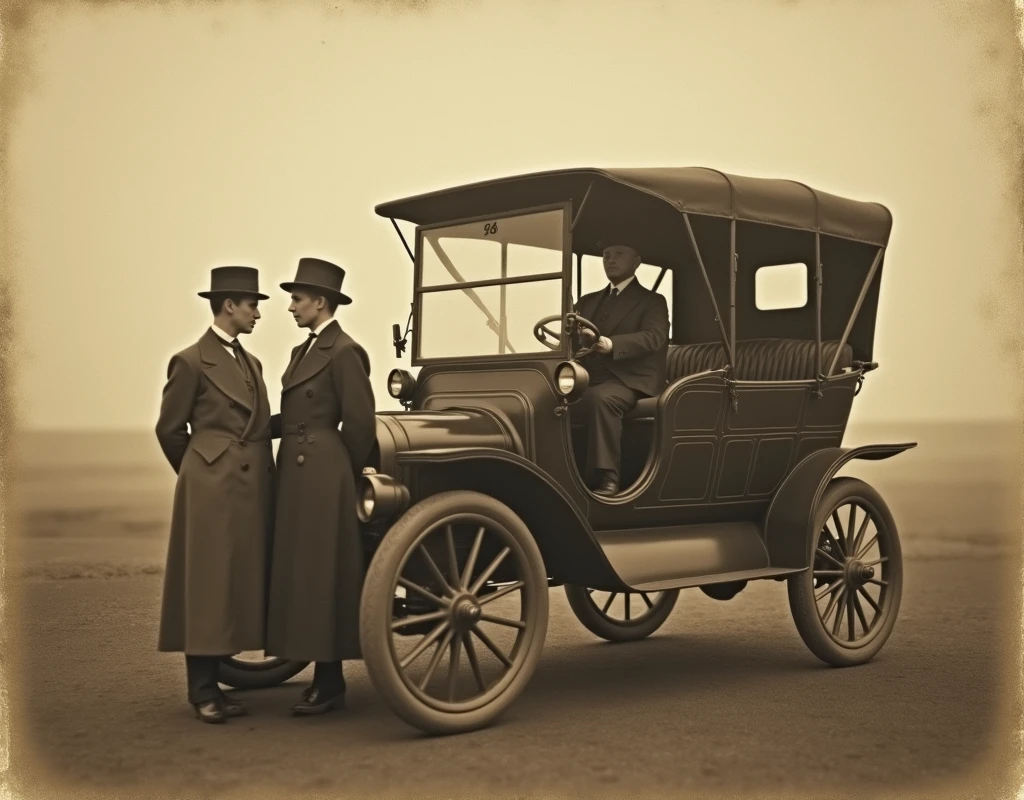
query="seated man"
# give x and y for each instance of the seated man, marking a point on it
(628, 361)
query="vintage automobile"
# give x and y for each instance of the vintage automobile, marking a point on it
(475, 504)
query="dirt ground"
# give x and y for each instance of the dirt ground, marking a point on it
(724, 700)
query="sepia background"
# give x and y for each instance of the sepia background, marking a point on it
(147, 143)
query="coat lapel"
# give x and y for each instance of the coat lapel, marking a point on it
(260, 415)
(222, 370)
(316, 359)
(291, 365)
(625, 303)
(587, 305)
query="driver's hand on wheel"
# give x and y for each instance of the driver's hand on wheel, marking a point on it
(604, 344)
(586, 337)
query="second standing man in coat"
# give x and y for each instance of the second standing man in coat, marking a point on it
(317, 564)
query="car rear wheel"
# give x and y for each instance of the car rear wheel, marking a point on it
(621, 616)
(845, 604)
(454, 612)
(256, 671)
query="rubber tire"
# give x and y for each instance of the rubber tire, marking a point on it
(230, 674)
(377, 608)
(614, 631)
(801, 590)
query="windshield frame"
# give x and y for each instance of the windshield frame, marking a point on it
(565, 275)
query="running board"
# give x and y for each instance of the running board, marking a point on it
(707, 580)
(681, 556)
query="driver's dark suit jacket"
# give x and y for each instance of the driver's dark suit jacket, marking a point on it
(637, 324)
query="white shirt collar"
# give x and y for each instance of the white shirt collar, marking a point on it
(319, 328)
(624, 284)
(221, 334)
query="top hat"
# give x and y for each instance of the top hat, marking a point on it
(320, 276)
(234, 280)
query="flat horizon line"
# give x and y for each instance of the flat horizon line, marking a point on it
(909, 421)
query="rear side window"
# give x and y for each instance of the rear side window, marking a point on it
(780, 286)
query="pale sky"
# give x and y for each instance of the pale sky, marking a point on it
(150, 145)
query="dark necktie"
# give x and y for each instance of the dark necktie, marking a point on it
(299, 356)
(305, 346)
(604, 308)
(242, 363)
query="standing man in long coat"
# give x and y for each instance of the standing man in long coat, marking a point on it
(317, 566)
(214, 429)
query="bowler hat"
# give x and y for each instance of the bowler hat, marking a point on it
(322, 277)
(234, 280)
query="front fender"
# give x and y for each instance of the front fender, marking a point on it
(571, 552)
(789, 521)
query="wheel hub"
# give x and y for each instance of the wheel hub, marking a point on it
(465, 613)
(857, 574)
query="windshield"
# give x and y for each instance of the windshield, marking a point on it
(518, 259)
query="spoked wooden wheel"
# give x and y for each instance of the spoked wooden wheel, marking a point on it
(621, 616)
(254, 670)
(845, 605)
(454, 612)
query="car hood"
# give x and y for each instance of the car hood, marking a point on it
(402, 431)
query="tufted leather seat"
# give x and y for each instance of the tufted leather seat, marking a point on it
(756, 360)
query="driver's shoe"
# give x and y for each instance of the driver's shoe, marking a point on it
(608, 486)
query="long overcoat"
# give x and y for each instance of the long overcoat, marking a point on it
(317, 565)
(214, 596)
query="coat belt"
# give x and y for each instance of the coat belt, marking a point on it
(203, 435)
(302, 427)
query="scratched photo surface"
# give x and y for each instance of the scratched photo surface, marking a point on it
(148, 143)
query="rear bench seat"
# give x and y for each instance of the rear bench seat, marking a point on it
(756, 360)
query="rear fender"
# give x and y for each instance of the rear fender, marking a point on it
(571, 552)
(789, 522)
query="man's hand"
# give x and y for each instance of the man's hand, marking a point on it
(604, 345)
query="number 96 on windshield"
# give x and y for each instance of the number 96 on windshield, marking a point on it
(490, 228)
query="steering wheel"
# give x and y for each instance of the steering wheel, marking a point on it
(571, 319)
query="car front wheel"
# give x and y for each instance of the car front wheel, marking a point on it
(454, 612)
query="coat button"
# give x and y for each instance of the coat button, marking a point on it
(310, 438)
(232, 404)
(243, 443)
(309, 392)
(301, 458)
(245, 467)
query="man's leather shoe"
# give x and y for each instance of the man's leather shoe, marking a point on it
(316, 700)
(210, 711)
(231, 708)
(607, 486)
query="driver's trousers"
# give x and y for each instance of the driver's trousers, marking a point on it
(602, 408)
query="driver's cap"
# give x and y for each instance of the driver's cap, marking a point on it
(619, 241)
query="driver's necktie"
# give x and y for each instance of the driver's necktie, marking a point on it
(605, 307)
